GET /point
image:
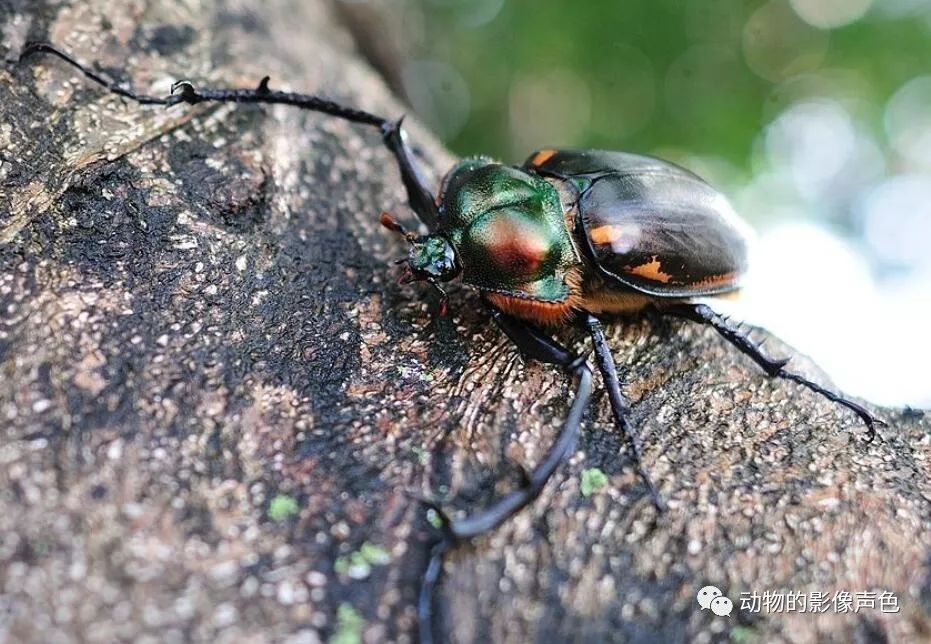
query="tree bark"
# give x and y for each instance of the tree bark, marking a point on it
(214, 395)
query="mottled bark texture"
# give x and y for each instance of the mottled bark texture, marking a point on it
(213, 393)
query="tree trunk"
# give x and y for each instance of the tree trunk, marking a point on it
(214, 395)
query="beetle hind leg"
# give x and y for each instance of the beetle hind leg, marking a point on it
(619, 406)
(774, 368)
(534, 344)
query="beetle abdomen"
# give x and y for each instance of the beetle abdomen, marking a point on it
(650, 225)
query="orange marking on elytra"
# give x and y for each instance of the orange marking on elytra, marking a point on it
(542, 157)
(652, 270)
(604, 235)
(716, 280)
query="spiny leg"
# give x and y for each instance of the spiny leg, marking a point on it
(619, 406)
(536, 345)
(774, 368)
(420, 198)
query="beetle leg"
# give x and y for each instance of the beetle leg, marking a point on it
(534, 343)
(619, 406)
(774, 368)
(419, 196)
(421, 200)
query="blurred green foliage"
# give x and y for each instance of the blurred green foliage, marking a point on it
(656, 75)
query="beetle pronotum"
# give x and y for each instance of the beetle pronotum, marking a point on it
(565, 238)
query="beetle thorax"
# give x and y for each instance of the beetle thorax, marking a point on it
(508, 229)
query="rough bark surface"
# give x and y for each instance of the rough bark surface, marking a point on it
(213, 394)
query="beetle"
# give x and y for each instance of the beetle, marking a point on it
(569, 237)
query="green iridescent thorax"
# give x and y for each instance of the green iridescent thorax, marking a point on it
(509, 230)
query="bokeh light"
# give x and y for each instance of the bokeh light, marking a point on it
(815, 141)
(908, 121)
(568, 110)
(897, 220)
(778, 44)
(828, 14)
(439, 95)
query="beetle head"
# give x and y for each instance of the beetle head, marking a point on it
(431, 258)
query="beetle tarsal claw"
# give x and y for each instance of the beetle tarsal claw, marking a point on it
(871, 422)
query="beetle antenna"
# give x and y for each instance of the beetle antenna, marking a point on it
(393, 224)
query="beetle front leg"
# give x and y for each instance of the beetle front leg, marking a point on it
(421, 200)
(418, 194)
(774, 368)
(619, 406)
(532, 342)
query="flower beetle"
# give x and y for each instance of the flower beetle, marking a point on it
(566, 238)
